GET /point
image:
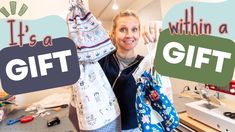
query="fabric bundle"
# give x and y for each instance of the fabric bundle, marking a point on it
(94, 106)
(95, 103)
(155, 111)
(92, 40)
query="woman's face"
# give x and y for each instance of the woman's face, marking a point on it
(127, 33)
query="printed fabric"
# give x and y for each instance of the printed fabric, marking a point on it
(92, 40)
(96, 105)
(155, 112)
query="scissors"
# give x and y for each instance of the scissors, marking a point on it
(230, 115)
(13, 121)
(26, 119)
(22, 119)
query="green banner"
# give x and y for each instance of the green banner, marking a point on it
(203, 58)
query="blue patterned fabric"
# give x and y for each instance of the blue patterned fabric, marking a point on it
(155, 112)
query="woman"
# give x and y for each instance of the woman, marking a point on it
(120, 64)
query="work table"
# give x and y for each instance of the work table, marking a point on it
(39, 124)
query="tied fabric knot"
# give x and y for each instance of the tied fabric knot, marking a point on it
(154, 96)
(154, 110)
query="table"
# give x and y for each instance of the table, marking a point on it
(39, 124)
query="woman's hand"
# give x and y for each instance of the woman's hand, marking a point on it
(152, 32)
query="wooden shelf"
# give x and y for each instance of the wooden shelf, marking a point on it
(194, 124)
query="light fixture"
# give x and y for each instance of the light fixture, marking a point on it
(115, 6)
(99, 22)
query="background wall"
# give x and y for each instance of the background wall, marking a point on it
(151, 12)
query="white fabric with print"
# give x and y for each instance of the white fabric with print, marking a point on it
(94, 99)
(92, 40)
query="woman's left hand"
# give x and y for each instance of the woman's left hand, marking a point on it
(152, 32)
